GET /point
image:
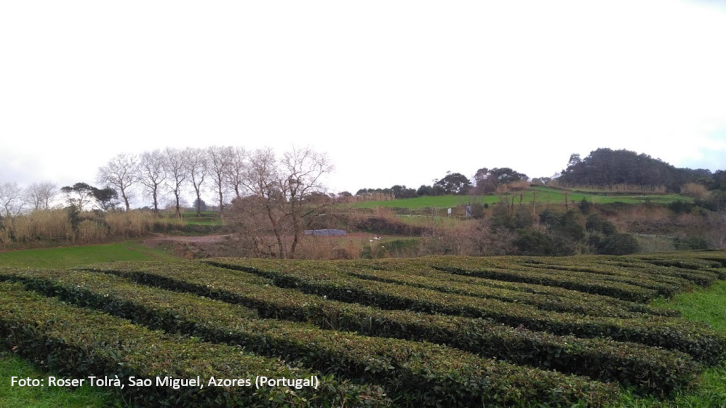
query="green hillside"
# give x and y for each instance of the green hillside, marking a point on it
(544, 195)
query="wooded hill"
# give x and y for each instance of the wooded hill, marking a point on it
(605, 167)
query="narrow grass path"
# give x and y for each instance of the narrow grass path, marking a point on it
(706, 306)
(64, 257)
(47, 397)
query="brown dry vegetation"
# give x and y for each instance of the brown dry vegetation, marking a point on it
(61, 227)
(694, 190)
(613, 188)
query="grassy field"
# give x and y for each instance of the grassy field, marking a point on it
(405, 301)
(705, 306)
(207, 218)
(545, 195)
(65, 257)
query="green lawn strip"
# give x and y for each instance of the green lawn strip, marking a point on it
(701, 305)
(545, 195)
(79, 343)
(65, 257)
(417, 372)
(476, 335)
(705, 306)
(47, 397)
(710, 393)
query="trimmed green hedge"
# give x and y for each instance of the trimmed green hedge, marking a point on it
(579, 302)
(417, 372)
(79, 343)
(677, 334)
(540, 301)
(704, 345)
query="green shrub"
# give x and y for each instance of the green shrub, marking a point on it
(530, 242)
(681, 207)
(619, 244)
(690, 243)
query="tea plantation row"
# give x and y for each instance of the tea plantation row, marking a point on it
(441, 331)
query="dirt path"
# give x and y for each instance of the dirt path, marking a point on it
(201, 239)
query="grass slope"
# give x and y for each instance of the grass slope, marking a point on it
(705, 306)
(66, 257)
(545, 195)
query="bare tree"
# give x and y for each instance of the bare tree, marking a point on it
(11, 199)
(236, 168)
(219, 158)
(284, 190)
(302, 171)
(122, 173)
(40, 195)
(176, 171)
(263, 181)
(196, 167)
(152, 174)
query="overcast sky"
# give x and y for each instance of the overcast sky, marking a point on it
(396, 92)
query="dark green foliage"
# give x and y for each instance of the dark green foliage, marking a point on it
(680, 207)
(454, 183)
(619, 244)
(565, 224)
(605, 167)
(608, 228)
(503, 217)
(107, 197)
(530, 242)
(585, 206)
(487, 180)
(81, 194)
(593, 223)
(403, 192)
(690, 243)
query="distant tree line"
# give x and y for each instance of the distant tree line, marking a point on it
(602, 168)
(485, 181)
(606, 167)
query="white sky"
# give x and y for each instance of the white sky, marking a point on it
(396, 92)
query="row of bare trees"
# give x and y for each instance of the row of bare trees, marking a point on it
(221, 170)
(278, 197)
(274, 196)
(15, 199)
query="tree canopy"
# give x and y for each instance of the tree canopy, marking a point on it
(604, 167)
(454, 183)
